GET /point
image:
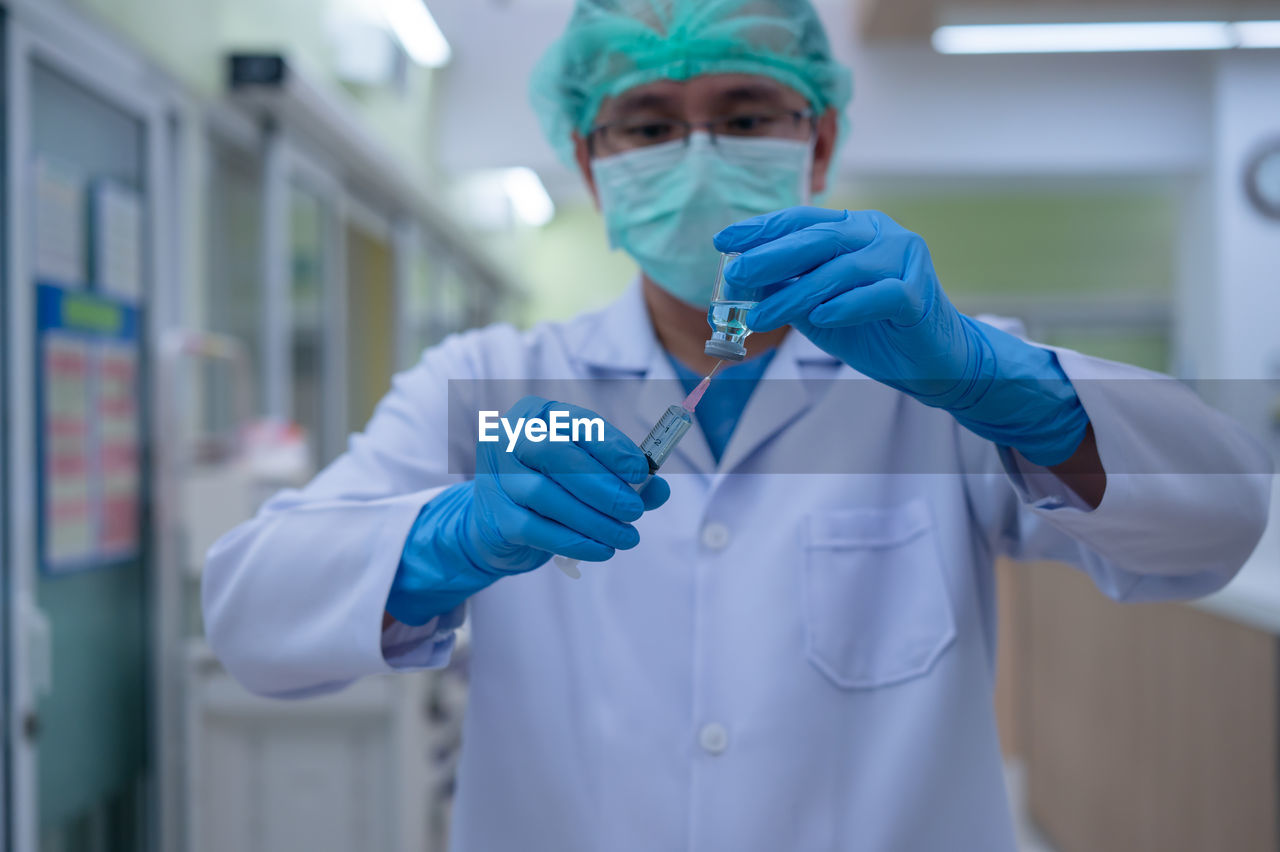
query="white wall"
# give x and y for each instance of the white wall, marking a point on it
(918, 112)
(1246, 271)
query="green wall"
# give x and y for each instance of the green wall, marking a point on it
(1018, 243)
(567, 265)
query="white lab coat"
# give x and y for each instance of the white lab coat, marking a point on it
(787, 660)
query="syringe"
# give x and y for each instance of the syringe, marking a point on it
(657, 446)
(664, 436)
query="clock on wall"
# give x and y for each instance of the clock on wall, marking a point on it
(1262, 179)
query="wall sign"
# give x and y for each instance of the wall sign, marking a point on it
(90, 429)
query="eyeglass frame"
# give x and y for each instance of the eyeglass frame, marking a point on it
(690, 126)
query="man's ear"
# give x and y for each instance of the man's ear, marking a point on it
(824, 148)
(582, 155)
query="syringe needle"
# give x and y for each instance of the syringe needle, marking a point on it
(695, 396)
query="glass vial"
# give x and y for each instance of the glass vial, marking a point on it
(727, 315)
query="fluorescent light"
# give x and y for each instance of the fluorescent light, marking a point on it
(1074, 38)
(417, 32)
(1258, 33)
(529, 199)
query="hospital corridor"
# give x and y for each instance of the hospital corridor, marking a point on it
(640, 426)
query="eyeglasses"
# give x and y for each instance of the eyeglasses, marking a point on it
(617, 137)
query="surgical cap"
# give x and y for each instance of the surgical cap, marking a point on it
(611, 46)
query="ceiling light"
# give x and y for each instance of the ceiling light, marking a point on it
(417, 32)
(1258, 33)
(1087, 38)
(529, 199)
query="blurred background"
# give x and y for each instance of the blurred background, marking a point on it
(229, 222)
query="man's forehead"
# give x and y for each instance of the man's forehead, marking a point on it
(709, 89)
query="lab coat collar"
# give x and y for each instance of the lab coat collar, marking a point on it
(620, 339)
(787, 391)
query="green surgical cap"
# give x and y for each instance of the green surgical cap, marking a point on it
(610, 46)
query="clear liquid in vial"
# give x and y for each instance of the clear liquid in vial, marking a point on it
(730, 318)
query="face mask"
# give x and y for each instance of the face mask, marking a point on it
(662, 205)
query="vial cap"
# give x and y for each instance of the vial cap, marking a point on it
(727, 350)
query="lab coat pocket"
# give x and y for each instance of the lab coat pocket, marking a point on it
(876, 607)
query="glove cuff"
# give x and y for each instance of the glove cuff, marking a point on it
(1019, 397)
(437, 570)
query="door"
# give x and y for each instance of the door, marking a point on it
(370, 314)
(234, 298)
(302, 255)
(97, 703)
(85, 206)
(310, 324)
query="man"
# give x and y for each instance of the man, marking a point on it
(796, 651)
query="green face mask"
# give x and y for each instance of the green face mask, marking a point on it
(662, 205)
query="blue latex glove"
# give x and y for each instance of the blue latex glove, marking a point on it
(543, 498)
(863, 288)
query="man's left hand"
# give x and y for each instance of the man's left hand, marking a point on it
(863, 288)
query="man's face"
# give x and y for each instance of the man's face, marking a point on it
(726, 100)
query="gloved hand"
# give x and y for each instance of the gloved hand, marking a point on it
(543, 498)
(863, 289)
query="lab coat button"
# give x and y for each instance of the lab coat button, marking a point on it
(713, 738)
(715, 536)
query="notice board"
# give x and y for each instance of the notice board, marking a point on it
(90, 429)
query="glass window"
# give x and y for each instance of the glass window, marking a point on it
(234, 296)
(449, 299)
(307, 219)
(417, 304)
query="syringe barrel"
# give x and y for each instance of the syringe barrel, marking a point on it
(665, 434)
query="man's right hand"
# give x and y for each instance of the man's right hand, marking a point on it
(541, 498)
(545, 498)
